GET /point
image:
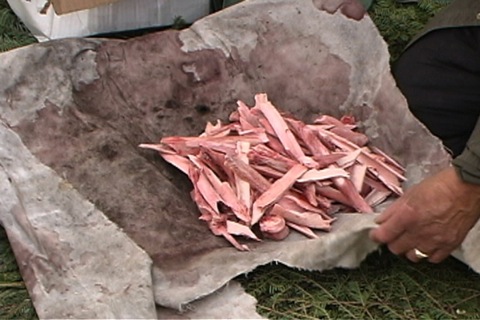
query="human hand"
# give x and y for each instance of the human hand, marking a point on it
(351, 8)
(433, 216)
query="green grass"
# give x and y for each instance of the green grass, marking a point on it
(13, 33)
(15, 302)
(383, 287)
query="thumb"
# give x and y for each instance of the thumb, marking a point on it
(354, 9)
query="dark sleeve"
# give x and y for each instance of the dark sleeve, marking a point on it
(467, 163)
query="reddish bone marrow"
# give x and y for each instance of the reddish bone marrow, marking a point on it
(267, 168)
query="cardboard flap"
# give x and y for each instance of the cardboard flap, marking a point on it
(67, 6)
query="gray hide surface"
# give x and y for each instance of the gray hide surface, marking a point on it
(103, 229)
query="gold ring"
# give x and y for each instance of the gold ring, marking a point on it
(419, 254)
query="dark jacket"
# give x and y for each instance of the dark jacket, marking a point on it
(462, 13)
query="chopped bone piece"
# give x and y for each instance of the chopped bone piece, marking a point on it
(261, 154)
(276, 191)
(234, 242)
(217, 130)
(357, 175)
(348, 120)
(391, 178)
(238, 229)
(328, 159)
(375, 197)
(223, 190)
(355, 137)
(348, 189)
(247, 119)
(349, 158)
(307, 219)
(326, 119)
(282, 131)
(247, 173)
(334, 194)
(272, 223)
(268, 172)
(279, 235)
(205, 189)
(242, 186)
(171, 157)
(189, 145)
(323, 174)
(311, 194)
(291, 201)
(302, 229)
(389, 159)
(309, 138)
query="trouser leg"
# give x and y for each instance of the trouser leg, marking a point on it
(440, 77)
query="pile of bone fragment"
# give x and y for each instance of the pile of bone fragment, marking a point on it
(266, 173)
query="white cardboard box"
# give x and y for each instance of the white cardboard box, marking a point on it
(122, 15)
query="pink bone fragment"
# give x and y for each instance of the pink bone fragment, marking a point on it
(276, 191)
(218, 223)
(238, 229)
(334, 194)
(223, 190)
(375, 197)
(205, 155)
(247, 119)
(261, 154)
(279, 235)
(268, 172)
(386, 174)
(310, 193)
(242, 186)
(326, 119)
(357, 175)
(306, 218)
(357, 138)
(205, 189)
(282, 131)
(348, 189)
(247, 173)
(348, 120)
(302, 229)
(349, 159)
(309, 138)
(323, 174)
(190, 145)
(272, 223)
(328, 159)
(292, 201)
(179, 162)
(389, 159)
(218, 129)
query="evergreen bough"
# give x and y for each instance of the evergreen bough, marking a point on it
(398, 22)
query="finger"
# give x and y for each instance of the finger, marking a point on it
(384, 216)
(353, 9)
(389, 230)
(389, 211)
(412, 255)
(401, 245)
(439, 255)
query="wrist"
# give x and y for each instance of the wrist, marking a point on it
(462, 183)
